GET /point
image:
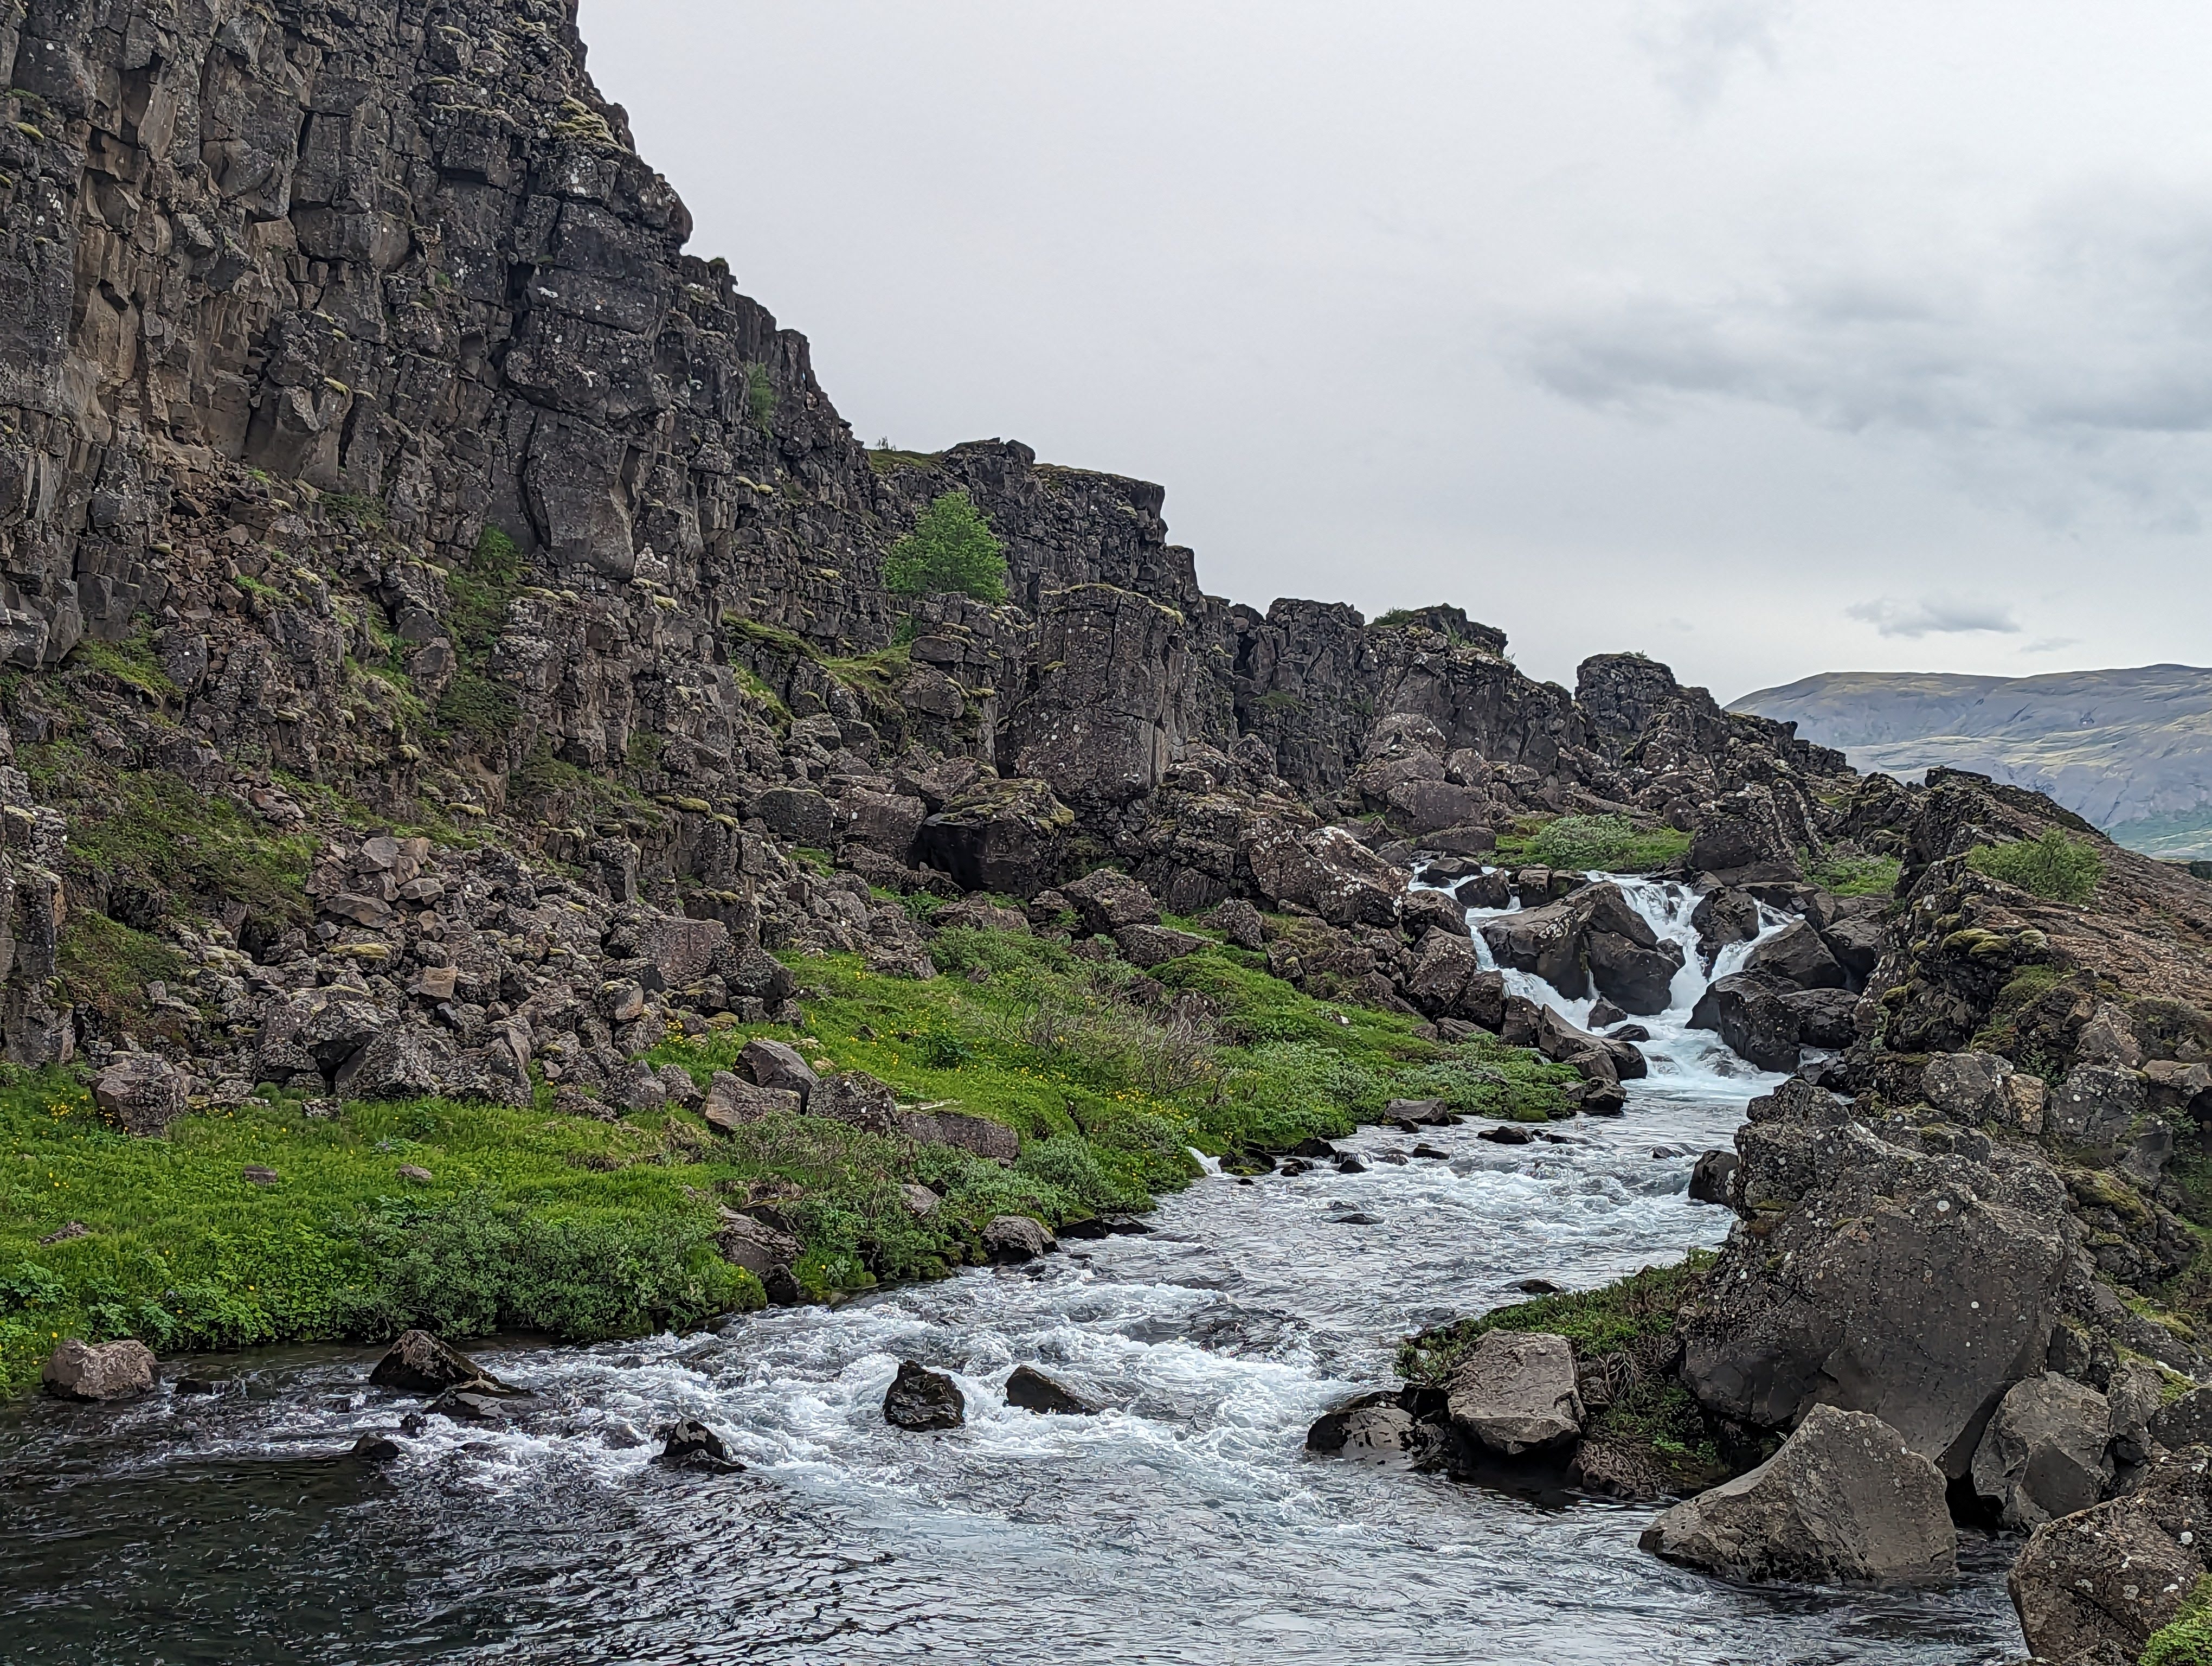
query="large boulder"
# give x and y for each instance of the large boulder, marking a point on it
(1009, 836)
(1907, 1269)
(732, 1102)
(1740, 832)
(1593, 939)
(1515, 1392)
(1155, 945)
(2091, 1588)
(1795, 957)
(2045, 1452)
(1010, 1238)
(1326, 871)
(1112, 699)
(757, 1247)
(1033, 1391)
(142, 1093)
(1974, 1088)
(1751, 1016)
(774, 1064)
(1107, 900)
(919, 1399)
(106, 1370)
(1845, 1500)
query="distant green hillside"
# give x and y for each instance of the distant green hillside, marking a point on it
(2130, 751)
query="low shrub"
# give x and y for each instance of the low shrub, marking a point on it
(951, 550)
(2053, 866)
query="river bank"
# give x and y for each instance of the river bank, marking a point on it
(1183, 1524)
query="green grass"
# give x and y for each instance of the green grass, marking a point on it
(581, 1228)
(131, 662)
(147, 830)
(2188, 1640)
(1596, 1321)
(1855, 876)
(1581, 844)
(2053, 866)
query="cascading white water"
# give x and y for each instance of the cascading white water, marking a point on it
(1683, 1061)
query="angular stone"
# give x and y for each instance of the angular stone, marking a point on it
(919, 1399)
(1514, 1392)
(1845, 1500)
(856, 1098)
(690, 1444)
(1108, 900)
(756, 1246)
(731, 1104)
(2094, 1586)
(1033, 1391)
(418, 1363)
(773, 1064)
(2045, 1452)
(143, 1092)
(1796, 957)
(1155, 945)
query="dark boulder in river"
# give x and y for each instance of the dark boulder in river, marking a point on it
(691, 1444)
(920, 1399)
(1387, 1426)
(1708, 1181)
(418, 1363)
(1033, 1391)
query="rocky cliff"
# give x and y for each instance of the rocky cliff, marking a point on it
(375, 460)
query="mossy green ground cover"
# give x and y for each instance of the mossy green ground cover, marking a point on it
(584, 1229)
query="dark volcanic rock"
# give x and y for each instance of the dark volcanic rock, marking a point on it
(1032, 1390)
(1796, 956)
(920, 1399)
(418, 1363)
(1710, 1180)
(1845, 1500)
(690, 1444)
(2091, 1588)
(1752, 1018)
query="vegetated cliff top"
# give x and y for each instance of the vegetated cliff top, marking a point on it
(2130, 751)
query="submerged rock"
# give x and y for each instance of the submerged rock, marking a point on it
(373, 1448)
(691, 1444)
(920, 1399)
(1844, 1500)
(1032, 1390)
(106, 1370)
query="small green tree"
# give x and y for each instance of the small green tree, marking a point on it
(950, 549)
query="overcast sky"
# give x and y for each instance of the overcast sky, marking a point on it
(1763, 336)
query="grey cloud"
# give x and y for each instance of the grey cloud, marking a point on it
(1933, 616)
(2082, 335)
(1695, 48)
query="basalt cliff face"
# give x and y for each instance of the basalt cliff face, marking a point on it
(374, 457)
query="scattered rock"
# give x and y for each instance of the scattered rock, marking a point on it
(920, 1399)
(256, 1175)
(771, 1064)
(1032, 1390)
(376, 1448)
(731, 1103)
(106, 1371)
(857, 1098)
(63, 1234)
(415, 1173)
(1844, 1500)
(1010, 1238)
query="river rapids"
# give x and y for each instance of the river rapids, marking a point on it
(1184, 1524)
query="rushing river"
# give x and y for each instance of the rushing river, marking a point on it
(1183, 1524)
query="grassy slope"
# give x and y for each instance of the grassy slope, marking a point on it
(586, 1229)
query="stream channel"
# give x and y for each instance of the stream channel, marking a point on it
(1185, 1524)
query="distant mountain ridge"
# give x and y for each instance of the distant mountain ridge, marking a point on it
(2130, 751)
